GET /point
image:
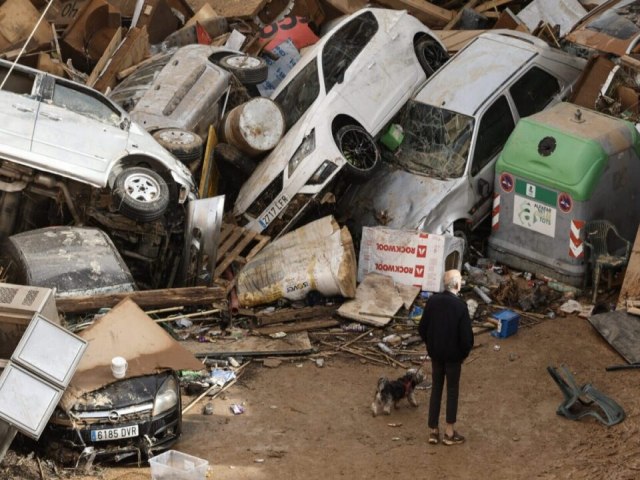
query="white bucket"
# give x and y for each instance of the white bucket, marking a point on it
(119, 367)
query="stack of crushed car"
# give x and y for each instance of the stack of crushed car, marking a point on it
(212, 156)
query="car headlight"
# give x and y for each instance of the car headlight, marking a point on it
(307, 146)
(167, 397)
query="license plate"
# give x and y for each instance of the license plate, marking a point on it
(107, 434)
(274, 209)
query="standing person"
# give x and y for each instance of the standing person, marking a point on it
(445, 328)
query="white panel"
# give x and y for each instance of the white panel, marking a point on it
(26, 402)
(49, 351)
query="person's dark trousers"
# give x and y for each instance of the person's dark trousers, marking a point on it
(440, 371)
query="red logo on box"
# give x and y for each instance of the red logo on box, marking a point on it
(419, 271)
(422, 251)
(423, 235)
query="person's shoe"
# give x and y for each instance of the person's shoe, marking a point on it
(434, 437)
(455, 439)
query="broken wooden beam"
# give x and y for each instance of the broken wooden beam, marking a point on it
(297, 327)
(294, 314)
(161, 298)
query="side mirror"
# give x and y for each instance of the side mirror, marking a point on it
(125, 123)
(484, 188)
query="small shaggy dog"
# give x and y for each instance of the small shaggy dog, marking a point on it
(390, 392)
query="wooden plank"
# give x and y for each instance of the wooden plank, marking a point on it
(227, 244)
(234, 254)
(491, 4)
(144, 298)
(298, 326)
(106, 57)
(630, 289)
(621, 330)
(234, 8)
(455, 40)
(252, 346)
(293, 314)
(426, 12)
(209, 177)
(130, 51)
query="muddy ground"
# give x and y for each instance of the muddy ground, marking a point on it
(307, 422)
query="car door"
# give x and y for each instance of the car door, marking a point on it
(18, 110)
(494, 127)
(78, 130)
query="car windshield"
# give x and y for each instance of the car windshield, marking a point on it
(300, 93)
(436, 141)
(619, 22)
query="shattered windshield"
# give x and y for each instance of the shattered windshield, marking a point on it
(620, 22)
(436, 141)
(299, 94)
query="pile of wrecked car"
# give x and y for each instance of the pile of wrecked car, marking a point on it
(273, 171)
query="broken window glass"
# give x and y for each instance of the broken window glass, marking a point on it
(533, 91)
(495, 127)
(621, 21)
(84, 104)
(299, 94)
(436, 141)
(18, 82)
(345, 45)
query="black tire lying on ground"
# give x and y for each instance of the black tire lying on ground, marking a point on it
(141, 194)
(248, 69)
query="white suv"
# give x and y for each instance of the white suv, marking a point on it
(335, 100)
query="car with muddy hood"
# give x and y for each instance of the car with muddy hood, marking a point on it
(440, 178)
(336, 100)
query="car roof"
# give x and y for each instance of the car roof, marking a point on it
(472, 76)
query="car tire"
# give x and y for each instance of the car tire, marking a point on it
(248, 69)
(461, 230)
(141, 194)
(360, 151)
(187, 146)
(231, 155)
(431, 55)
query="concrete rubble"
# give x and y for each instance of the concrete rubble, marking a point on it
(239, 250)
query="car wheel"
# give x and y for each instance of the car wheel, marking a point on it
(231, 155)
(248, 69)
(141, 194)
(359, 150)
(187, 146)
(431, 55)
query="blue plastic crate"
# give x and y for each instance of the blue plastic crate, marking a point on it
(508, 322)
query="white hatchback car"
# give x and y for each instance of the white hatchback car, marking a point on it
(440, 179)
(60, 127)
(335, 100)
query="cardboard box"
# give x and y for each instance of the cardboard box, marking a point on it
(409, 257)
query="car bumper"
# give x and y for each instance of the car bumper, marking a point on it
(155, 434)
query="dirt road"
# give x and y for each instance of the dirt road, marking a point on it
(306, 422)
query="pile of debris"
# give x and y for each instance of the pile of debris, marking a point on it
(208, 183)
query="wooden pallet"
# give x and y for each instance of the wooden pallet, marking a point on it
(234, 241)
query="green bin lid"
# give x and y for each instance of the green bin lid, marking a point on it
(566, 148)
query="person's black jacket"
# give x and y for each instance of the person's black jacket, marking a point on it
(445, 327)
